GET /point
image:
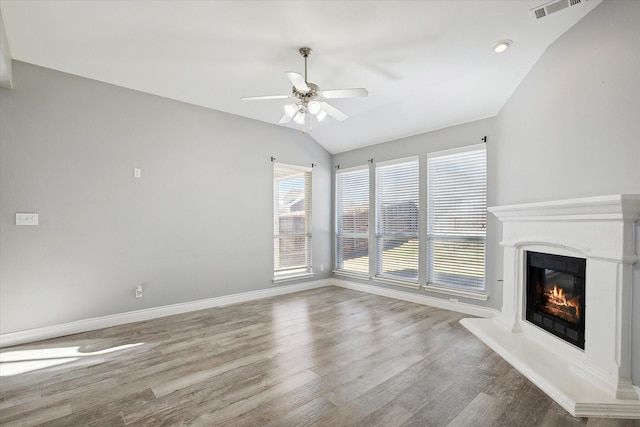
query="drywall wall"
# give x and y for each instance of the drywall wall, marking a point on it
(420, 145)
(572, 127)
(196, 225)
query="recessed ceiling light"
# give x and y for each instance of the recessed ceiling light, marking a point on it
(502, 45)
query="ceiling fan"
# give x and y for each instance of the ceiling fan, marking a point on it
(310, 97)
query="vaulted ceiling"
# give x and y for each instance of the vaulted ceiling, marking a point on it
(426, 64)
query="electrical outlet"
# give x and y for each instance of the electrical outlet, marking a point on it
(453, 300)
(321, 267)
(139, 292)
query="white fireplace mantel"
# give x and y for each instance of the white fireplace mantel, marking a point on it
(595, 381)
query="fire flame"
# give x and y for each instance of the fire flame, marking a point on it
(557, 297)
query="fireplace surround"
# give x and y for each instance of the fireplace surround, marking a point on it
(593, 381)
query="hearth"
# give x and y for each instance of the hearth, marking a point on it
(555, 295)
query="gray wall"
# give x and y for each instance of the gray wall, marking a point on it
(198, 224)
(572, 127)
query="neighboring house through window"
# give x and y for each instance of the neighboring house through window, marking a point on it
(291, 221)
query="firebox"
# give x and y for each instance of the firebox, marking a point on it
(555, 296)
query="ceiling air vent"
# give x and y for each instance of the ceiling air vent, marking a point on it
(553, 7)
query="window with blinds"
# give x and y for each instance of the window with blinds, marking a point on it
(352, 221)
(457, 217)
(291, 220)
(397, 220)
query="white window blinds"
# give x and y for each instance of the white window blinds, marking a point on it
(352, 220)
(397, 220)
(292, 220)
(457, 216)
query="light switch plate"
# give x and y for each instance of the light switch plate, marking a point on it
(26, 219)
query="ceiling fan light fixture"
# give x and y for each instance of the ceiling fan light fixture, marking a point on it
(502, 45)
(299, 117)
(314, 107)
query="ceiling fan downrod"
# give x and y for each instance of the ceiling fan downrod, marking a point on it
(305, 52)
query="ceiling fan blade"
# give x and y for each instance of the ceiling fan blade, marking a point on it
(260, 98)
(333, 111)
(285, 119)
(344, 93)
(298, 81)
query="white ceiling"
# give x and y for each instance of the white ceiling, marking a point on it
(427, 64)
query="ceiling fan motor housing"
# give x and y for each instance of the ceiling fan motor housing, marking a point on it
(306, 96)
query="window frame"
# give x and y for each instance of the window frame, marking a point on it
(381, 233)
(305, 269)
(339, 234)
(473, 288)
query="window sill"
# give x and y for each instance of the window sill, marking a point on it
(396, 282)
(477, 295)
(293, 277)
(361, 276)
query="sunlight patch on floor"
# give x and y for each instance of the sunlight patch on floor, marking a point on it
(22, 361)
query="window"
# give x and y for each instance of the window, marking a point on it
(352, 220)
(397, 220)
(456, 217)
(291, 221)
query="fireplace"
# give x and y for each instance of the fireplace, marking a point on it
(585, 247)
(555, 298)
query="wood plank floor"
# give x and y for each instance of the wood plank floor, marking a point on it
(325, 357)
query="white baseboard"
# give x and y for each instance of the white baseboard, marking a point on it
(54, 331)
(459, 307)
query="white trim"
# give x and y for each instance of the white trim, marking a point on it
(353, 275)
(600, 208)
(54, 331)
(459, 307)
(352, 169)
(466, 148)
(398, 161)
(479, 295)
(396, 282)
(293, 277)
(290, 166)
